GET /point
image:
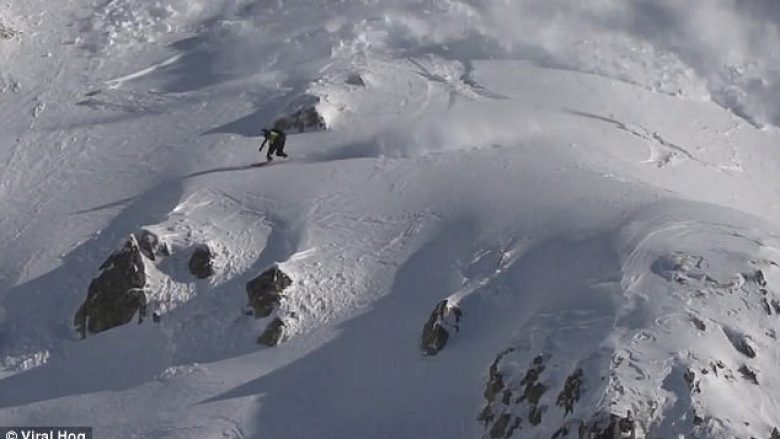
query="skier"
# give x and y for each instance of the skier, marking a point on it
(275, 139)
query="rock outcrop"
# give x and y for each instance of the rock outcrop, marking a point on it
(152, 246)
(355, 79)
(201, 263)
(498, 423)
(609, 426)
(273, 333)
(7, 33)
(265, 291)
(114, 297)
(435, 332)
(577, 389)
(520, 401)
(303, 118)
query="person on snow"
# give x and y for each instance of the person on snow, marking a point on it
(275, 139)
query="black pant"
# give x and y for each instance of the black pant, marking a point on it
(275, 147)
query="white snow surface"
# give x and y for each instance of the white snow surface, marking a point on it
(593, 183)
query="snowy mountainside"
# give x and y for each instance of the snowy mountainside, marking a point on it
(524, 219)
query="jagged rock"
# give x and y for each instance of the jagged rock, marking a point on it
(534, 390)
(740, 343)
(117, 294)
(201, 263)
(748, 374)
(494, 386)
(767, 307)
(7, 33)
(151, 245)
(302, 121)
(601, 426)
(265, 291)
(355, 79)
(496, 379)
(272, 333)
(609, 426)
(571, 393)
(757, 277)
(698, 323)
(435, 334)
(776, 305)
(775, 434)
(517, 399)
(572, 426)
(500, 426)
(689, 376)
(304, 118)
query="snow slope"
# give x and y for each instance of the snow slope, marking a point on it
(593, 185)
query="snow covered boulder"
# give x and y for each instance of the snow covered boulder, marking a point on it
(273, 333)
(435, 334)
(114, 297)
(303, 118)
(151, 245)
(265, 291)
(201, 263)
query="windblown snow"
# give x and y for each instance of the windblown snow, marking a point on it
(523, 219)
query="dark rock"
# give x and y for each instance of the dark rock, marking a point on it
(201, 263)
(535, 414)
(151, 245)
(767, 307)
(511, 407)
(273, 333)
(356, 80)
(7, 33)
(265, 291)
(117, 294)
(740, 343)
(435, 334)
(496, 380)
(571, 393)
(601, 426)
(748, 374)
(500, 426)
(760, 278)
(698, 323)
(534, 390)
(775, 434)
(776, 306)
(434, 339)
(689, 376)
(572, 426)
(610, 426)
(514, 426)
(304, 118)
(494, 386)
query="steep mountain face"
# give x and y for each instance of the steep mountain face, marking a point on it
(530, 219)
(693, 328)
